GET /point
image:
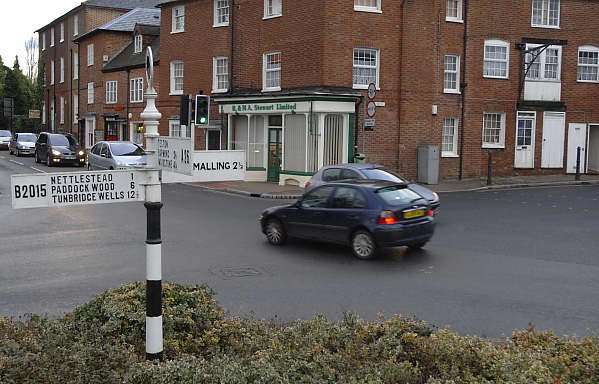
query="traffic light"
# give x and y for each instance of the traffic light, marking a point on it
(202, 110)
(184, 110)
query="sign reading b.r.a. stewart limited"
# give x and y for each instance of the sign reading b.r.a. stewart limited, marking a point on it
(77, 188)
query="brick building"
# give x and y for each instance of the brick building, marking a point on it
(58, 58)
(112, 76)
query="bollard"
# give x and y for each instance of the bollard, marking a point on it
(490, 168)
(578, 151)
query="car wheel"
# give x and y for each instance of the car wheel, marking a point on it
(363, 245)
(17, 153)
(417, 246)
(89, 167)
(37, 159)
(48, 161)
(275, 233)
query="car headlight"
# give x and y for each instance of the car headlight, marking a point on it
(435, 195)
(55, 152)
(81, 153)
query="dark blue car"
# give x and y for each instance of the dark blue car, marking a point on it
(365, 214)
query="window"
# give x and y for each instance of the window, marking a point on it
(138, 44)
(90, 55)
(62, 69)
(137, 90)
(272, 72)
(331, 174)
(494, 130)
(367, 5)
(449, 147)
(61, 32)
(273, 8)
(75, 66)
(52, 72)
(43, 112)
(61, 110)
(348, 198)
(177, 78)
(220, 70)
(44, 41)
(90, 93)
(75, 108)
(178, 22)
(75, 25)
(221, 13)
(497, 59)
(174, 128)
(545, 13)
(52, 36)
(317, 198)
(454, 11)
(546, 65)
(588, 64)
(526, 122)
(365, 67)
(111, 92)
(451, 83)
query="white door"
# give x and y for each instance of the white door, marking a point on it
(554, 134)
(90, 127)
(525, 140)
(577, 137)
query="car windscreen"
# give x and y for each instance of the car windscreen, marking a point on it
(382, 174)
(126, 149)
(27, 138)
(4, 133)
(62, 140)
(397, 195)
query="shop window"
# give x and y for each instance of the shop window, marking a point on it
(313, 144)
(333, 139)
(295, 143)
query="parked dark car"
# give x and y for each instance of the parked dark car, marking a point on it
(22, 144)
(334, 173)
(56, 149)
(365, 214)
(4, 138)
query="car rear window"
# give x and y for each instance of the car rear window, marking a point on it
(382, 174)
(397, 195)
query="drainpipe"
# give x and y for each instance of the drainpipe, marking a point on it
(232, 58)
(401, 31)
(464, 86)
(128, 98)
(356, 122)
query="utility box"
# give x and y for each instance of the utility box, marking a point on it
(428, 164)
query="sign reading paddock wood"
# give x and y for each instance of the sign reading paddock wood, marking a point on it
(67, 189)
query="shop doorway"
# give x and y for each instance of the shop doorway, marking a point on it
(213, 140)
(593, 151)
(275, 145)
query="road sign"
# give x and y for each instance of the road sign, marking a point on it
(175, 154)
(76, 188)
(371, 91)
(219, 165)
(369, 124)
(371, 109)
(35, 113)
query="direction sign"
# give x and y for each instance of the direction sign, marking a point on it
(76, 188)
(175, 154)
(369, 124)
(371, 109)
(371, 91)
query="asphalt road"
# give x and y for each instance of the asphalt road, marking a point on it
(500, 260)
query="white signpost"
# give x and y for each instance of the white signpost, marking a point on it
(219, 166)
(175, 154)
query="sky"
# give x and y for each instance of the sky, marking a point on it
(20, 18)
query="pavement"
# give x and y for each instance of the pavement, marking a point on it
(276, 191)
(500, 259)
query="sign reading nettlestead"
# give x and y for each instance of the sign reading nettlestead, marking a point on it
(77, 188)
(175, 154)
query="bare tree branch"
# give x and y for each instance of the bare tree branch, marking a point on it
(31, 57)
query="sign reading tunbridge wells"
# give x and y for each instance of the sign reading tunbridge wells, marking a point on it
(81, 188)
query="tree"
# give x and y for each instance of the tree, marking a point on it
(31, 59)
(2, 76)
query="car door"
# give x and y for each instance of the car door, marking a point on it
(42, 147)
(307, 221)
(347, 210)
(93, 155)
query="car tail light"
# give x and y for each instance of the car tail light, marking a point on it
(430, 213)
(387, 218)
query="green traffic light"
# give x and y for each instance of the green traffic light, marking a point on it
(202, 120)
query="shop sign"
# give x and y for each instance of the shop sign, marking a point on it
(219, 166)
(274, 107)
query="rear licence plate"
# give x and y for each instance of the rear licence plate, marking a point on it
(413, 214)
(69, 157)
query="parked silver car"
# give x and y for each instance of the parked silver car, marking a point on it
(106, 155)
(5, 138)
(22, 144)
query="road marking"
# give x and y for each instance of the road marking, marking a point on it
(16, 162)
(39, 170)
(2, 157)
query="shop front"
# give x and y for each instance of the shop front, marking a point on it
(289, 138)
(115, 128)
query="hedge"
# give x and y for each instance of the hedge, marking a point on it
(103, 342)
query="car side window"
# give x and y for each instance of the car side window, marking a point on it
(42, 139)
(317, 198)
(331, 174)
(104, 151)
(348, 198)
(96, 149)
(348, 174)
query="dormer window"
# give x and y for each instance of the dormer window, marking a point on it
(139, 43)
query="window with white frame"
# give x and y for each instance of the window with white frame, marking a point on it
(220, 70)
(111, 92)
(43, 112)
(496, 59)
(90, 93)
(75, 25)
(177, 71)
(544, 64)
(449, 146)
(271, 71)
(451, 83)
(545, 13)
(273, 8)
(51, 72)
(221, 13)
(75, 66)
(90, 55)
(365, 67)
(52, 36)
(136, 90)
(174, 128)
(44, 41)
(454, 11)
(588, 64)
(138, 44)
(367, 5)
(61, 109)
(75, 108)
(62, 69)
(61, 32)
(178, 21)
(493, 130)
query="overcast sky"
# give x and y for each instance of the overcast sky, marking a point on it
(20, 18)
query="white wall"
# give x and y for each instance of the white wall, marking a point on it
(593, 148)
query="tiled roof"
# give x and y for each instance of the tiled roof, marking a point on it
(127, 59)
(128, 21)
(123, 4)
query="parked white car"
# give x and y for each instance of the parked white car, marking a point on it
(107, 155)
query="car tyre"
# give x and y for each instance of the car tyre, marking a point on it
(417, 246)
(37, 159)
(275, 232)
(363, 245)
(17, 154)
(49, 161)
